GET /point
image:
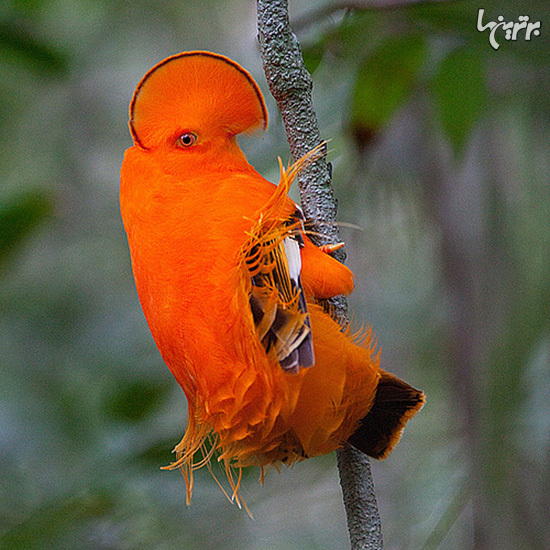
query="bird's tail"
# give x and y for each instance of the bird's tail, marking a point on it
(395, 403)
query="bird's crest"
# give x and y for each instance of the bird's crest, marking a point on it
(195, 90)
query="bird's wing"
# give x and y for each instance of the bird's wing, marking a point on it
(273, 257)
(277, 301)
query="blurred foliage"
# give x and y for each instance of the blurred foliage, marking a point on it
(21, 49)
(135, 400)
(440, 154)
(383, 82)
(18, 218)
(459, 88)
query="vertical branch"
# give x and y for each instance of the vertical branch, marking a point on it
(364, 525)
(291, 86)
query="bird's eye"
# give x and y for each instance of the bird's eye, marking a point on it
(187, 140)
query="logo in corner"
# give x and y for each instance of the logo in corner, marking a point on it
(512, 29)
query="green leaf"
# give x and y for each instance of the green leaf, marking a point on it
(30, 7)
(136, 400)
(384, 81)
(54, 518)
(313, 54)
(20, 47)
(157, 453)
(460, 94)
(18, 218)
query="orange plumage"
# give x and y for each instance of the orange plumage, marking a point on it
(230, 283)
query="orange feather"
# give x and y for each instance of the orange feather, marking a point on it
(229, 283)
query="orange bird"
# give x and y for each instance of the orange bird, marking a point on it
(232, 287)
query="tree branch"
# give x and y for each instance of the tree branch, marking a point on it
(364, 525)
(291, 86)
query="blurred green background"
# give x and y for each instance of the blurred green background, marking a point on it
(440, 154)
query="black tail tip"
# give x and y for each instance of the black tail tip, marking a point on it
(395, 403)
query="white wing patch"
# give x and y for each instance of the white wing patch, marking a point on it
(293, 257)
(277, 299)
